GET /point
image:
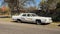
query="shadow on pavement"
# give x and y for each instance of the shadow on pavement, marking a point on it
(59, 25)
(30, 23)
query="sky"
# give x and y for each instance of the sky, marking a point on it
(31, 4)
(1, 2)
(37, 2)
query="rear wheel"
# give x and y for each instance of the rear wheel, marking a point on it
(38, 22)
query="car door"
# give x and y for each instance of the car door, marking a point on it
(29, 18)
(23, 17)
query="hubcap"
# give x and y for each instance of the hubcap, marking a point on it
(38, 23)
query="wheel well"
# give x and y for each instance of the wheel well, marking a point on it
(38, 20)
(19, 19)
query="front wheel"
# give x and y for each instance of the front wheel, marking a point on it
(38, 22)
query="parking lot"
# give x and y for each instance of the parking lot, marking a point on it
(9, 27)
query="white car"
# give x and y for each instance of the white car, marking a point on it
(32, 17)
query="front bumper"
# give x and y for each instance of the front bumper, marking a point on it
(49, 21)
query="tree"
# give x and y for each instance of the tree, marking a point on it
(19, 4)
(43, 5)
(53, 7)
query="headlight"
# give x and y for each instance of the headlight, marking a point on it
(49, 20)
(45, 19)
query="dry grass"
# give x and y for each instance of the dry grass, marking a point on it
(54, 25)
(5, 19)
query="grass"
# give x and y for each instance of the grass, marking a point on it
(54, 25)
(5, 19)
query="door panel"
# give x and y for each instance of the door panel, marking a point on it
(29, 18)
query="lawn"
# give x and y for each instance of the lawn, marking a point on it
(5, 19)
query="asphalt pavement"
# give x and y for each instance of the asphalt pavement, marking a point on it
(25, 28)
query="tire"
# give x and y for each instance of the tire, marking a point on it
(38, 22)
(19, 21)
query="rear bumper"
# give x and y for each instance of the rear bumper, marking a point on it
(14, 19)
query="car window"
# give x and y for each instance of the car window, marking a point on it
(28, 15)
(24, 15)
(33, 14)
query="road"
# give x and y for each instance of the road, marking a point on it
(24, 28)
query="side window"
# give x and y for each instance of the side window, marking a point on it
(24, 15)
(34, 15)
(28, 15)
